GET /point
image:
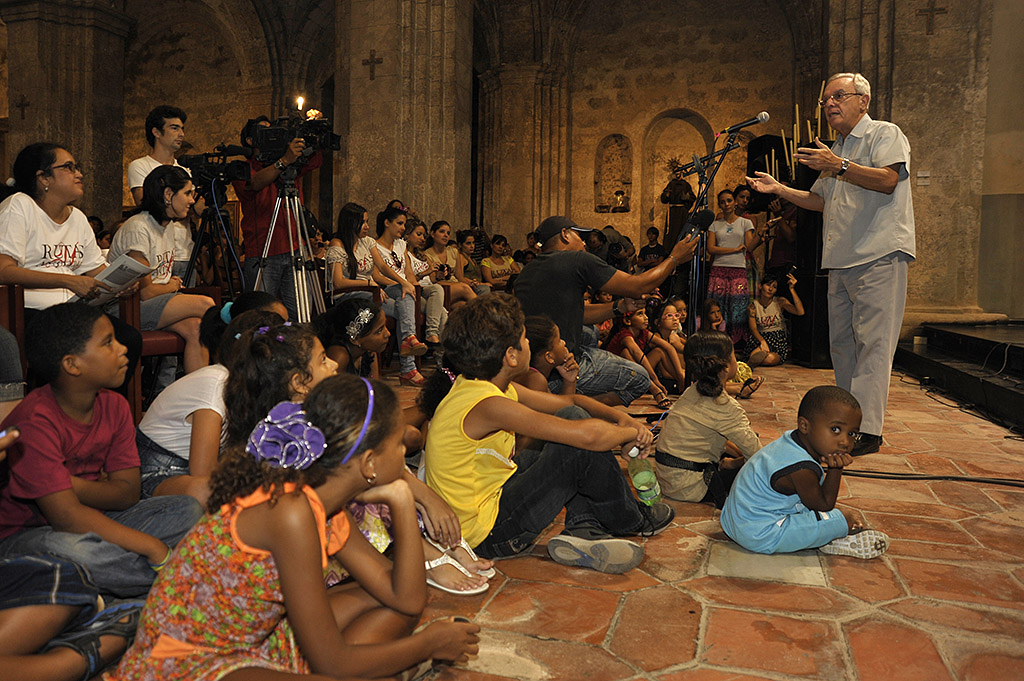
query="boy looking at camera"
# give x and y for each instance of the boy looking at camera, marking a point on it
(784, 498)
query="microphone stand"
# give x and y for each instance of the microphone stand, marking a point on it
(699, 268)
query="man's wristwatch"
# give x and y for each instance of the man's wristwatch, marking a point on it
(280, 165)
(846, 166)
(616, 310)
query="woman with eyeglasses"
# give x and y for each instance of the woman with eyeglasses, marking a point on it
(46, 244)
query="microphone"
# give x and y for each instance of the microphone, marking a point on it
(698, 222)
(759, 118)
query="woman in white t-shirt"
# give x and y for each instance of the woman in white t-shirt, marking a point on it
(728, 241)
(392, 261)
(349, 257)
(148, 236)
(47, 245)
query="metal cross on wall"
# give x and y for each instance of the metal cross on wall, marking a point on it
(374, 60)
(930, 12)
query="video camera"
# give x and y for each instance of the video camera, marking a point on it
(212, 171)
(272, 141)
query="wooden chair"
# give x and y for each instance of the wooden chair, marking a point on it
(155, 343)
(12, 317)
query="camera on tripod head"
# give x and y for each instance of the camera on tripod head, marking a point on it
(212, 171)
(273, 140)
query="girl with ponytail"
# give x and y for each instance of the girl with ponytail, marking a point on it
(706, 436)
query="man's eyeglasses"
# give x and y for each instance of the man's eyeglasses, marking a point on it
(70, 166)
(837, 97)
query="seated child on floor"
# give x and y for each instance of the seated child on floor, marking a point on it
(245, 595)
(706, 434)
(180, 436)
(743, 384)
(505, 505)
(631, 338)
(548, 353)
(768, 343)
(784, 498)
(283, 363)
(73, 484)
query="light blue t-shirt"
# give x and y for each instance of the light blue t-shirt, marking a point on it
(754, 513)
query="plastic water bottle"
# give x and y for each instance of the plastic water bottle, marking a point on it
(641, 472)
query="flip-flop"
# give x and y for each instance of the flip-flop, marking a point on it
(488, 573)
(753, 384)
(446, 559)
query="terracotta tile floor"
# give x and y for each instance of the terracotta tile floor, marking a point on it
(946, 601)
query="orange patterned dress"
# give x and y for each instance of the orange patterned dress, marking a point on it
(217, 606)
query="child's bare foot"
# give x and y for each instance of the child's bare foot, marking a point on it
(471, 561)
(446, 574)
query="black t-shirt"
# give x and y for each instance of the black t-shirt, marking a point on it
(648, 251)
(554, 284)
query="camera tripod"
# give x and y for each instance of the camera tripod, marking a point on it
(309, 299)
(221, 239)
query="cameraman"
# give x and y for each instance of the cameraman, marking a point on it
(257, 198)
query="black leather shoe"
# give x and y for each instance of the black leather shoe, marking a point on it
(867, 444)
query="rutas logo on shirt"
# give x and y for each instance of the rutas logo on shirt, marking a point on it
(63, 255)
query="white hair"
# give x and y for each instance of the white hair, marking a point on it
(860, 84)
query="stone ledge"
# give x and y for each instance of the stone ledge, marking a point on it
(914, 319)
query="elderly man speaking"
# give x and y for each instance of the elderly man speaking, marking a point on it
(863, 192)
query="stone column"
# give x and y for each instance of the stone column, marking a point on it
(66, 64)
(408, 127)
(524, 119)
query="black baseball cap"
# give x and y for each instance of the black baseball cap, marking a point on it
(554, 225)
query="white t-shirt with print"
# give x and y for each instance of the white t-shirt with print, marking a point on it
(142, 233)
(35, 242)
(168, 421)
(137, 172)
(395, 256)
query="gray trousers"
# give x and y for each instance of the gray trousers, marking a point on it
(865, 311)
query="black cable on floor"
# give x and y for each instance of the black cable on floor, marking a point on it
(881, 475)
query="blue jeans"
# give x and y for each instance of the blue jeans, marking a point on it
(115, 571)
(278, 279)
(603, 372)
(403, 310)
(589, 485)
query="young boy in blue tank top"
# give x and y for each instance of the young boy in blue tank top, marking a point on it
(784, 498)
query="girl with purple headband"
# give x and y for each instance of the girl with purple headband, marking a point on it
(245, 594)
(284, 363)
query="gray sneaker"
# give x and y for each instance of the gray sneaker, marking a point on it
(657, 518)
(607, 554)
(864, 544)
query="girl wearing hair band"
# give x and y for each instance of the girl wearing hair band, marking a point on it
(245, 597)
(148, 236)
(283, 363)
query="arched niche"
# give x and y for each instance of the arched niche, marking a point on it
(674, 133)
(613, 173)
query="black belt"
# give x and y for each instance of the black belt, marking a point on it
(675, 462)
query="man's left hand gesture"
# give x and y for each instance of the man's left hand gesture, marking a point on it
(820, 158)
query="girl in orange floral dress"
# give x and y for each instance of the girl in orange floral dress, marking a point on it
(244, 598)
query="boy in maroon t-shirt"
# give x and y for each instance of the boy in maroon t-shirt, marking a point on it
(72, 484)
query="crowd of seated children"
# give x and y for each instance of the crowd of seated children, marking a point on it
(632, 338)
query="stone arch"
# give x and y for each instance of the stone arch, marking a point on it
(678, 123)
(613, 170)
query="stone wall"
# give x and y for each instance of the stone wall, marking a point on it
(201, 65)
(666, 76)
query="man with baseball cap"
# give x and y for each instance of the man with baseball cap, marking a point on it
(554, 284)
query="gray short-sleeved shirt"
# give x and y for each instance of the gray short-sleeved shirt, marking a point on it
(861, 225)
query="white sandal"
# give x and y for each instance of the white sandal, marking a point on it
(488, 573)
(446, 559)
